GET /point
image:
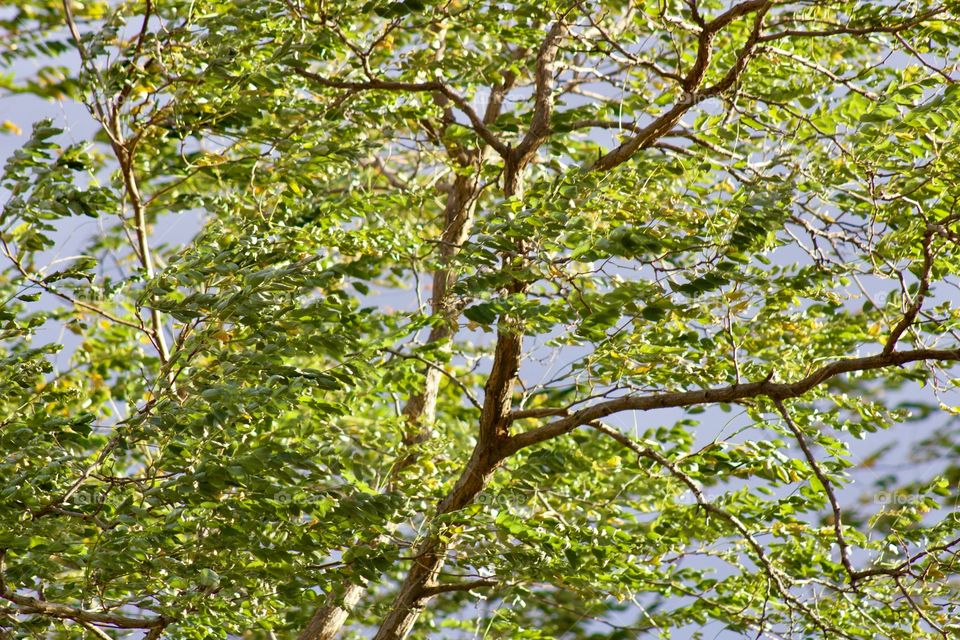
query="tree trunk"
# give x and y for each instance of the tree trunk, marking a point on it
(487, 454)
(429, 554)
(328, 619)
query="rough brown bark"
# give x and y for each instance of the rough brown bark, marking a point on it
(493, 434)
(487, 455)
(421, 407)
(329, 618)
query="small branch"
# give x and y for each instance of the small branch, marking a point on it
(497, 95)
(98, 632)
(827, 488)
(413, 87)
(27, 604)
(695, 13)
(391, 177)
(434, 590)
(88, 472)
(544, 81)
(109, 119)
(774, 576)
(132, 189)
(916, 54)
(813, 66)
(85, 59)
(141, 36)
(433, 365)
(913, 605)
(904, 567)
(606, 124)
(922, 290)
(8, 252)
(853, 31)
(691, 95)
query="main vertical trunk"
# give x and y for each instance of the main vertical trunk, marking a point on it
(429, 554)
(487, 454)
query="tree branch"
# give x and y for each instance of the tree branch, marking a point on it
(543, 93)
(731, 393)
(414, 87)
(30, 605)
(853, 31)
(923, 288)
(904, 567)
(691, 96)
(540, 412)
(774, 576)
(97, 631)
(437, 589)
(827, 488)
(433, 365)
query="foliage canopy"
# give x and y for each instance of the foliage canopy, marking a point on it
(471, 319)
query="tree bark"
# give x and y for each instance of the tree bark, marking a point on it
(328, 619)
(490, 449)
(421, 407)
(487, 455)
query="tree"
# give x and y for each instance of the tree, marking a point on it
(425, 261)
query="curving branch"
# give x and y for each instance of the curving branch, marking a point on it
(109, 117)
(543, 102)
(694, 93)
(434, 86)
(691, 96)
(436, 367)
(922, 290)
(543, 93)
(732, 393)
(827, 488)
(847, 30)
(28, 605)
(773, 575)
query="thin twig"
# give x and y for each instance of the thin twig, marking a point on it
(827, 489)
(433, 365)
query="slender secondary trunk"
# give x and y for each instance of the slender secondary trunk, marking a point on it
(421, 407)
(328, 619)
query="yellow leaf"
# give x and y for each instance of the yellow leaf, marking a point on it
(10, 127)
(951, 410)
